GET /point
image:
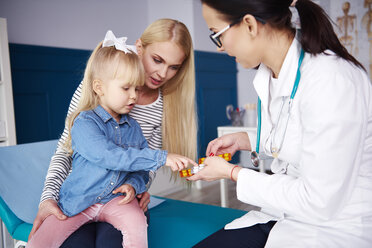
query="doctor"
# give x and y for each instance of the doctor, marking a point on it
(315, 120)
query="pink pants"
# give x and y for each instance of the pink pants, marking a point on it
(128, 218)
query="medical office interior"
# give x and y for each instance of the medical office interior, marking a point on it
(45, 43)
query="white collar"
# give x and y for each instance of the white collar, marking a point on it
(286, 78)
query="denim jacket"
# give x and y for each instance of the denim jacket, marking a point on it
(106, 155)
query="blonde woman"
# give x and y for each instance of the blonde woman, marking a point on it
(112, 159)
(165, 111)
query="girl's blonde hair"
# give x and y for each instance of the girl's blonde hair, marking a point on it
(105, 63)
(179, 125)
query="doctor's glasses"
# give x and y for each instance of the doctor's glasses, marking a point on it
(215, 37)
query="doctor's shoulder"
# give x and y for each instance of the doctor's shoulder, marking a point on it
(325, 74)
(328, 66)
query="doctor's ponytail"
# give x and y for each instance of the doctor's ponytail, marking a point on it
(317, 34)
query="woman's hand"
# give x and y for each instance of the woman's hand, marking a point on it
(215, 168)
(178, 162)
(46, 208)
(144, 200)
(128, 192)
(229, 143)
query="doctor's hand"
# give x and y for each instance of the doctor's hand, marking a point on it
(229, 143)
(215, 168)
(178, 162)
(128, 192)
(46, 208)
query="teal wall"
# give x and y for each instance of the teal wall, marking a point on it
(216, 87)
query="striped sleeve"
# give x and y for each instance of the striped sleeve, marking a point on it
(150, 119)
(60, 164)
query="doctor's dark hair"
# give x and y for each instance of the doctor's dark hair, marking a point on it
(317, 34)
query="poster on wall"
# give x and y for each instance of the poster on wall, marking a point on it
(353, 27)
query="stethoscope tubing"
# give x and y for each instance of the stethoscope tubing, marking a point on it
(255, 157)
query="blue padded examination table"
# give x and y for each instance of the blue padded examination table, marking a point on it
(173, 223)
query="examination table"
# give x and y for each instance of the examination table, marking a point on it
(173, 223)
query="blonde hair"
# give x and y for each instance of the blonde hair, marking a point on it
(105, 63)
(179, 125)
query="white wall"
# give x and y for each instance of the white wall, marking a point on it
(72, 24)
(171, 9)
(81, 24)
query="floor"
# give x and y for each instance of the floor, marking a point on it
(211, 195)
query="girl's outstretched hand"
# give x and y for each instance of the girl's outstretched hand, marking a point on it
(178, 162)
(229, 143)
(128, 192)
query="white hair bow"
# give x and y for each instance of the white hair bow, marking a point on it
(119, 43)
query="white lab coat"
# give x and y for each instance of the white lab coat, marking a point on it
(321, 190)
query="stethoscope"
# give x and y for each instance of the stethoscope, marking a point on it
(276, 149)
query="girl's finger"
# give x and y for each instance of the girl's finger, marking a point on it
(185, 162)
(180, 165)
(190, 161)
(125, 200)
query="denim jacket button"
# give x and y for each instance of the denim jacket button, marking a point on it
(116, 127)
(99, 198)
(112, 183)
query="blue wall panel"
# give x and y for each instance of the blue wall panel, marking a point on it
(44, 79)
(216, 86)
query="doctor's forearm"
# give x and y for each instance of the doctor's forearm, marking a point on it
(235, 172)
(244, 142)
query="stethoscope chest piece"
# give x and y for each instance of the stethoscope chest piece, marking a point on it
(255, 159)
